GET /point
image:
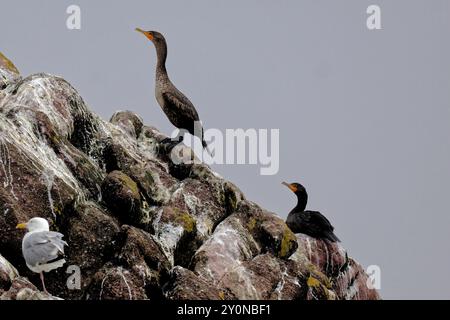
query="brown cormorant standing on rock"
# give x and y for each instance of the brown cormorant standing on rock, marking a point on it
(311, 223)
(177, 107)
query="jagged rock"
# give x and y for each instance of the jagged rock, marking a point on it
(22, 289)
(84, 169)
(116, 283)
(129, 122)
(15, 287)
(154, 180)
(36, 182)
(8, 72)
(136, 272)
(121, 195)
(185, 285)
(7, 274)
(93, 236)
(234, 257)
(176, 230)
(329, 258)
(142, 254)
(267, 228)
(229, 246)
(329, 264)
(144, 219)
(352, 284)
(265, 277)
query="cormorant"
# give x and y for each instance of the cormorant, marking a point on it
(311, 223)
(177, 107)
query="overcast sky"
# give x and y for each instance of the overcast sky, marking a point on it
(363, 115)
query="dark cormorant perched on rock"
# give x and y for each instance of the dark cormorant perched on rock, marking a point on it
(177, 107)
(311, 223)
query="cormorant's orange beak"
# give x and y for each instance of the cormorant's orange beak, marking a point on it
(145, 33)
(21, 226)
(290, 186)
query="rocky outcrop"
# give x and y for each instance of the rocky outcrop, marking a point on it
(14, 287)
(140, 226)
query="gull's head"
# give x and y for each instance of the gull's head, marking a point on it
(34, 224)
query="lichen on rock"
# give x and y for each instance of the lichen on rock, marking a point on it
(8, 72)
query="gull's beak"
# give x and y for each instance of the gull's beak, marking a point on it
(290, 186)
(21, 226)
(145, 33)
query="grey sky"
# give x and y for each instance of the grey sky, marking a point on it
(363, 115)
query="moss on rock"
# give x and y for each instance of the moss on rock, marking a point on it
(122, 197)
(7, 64)
(186, 220)
(288, 243)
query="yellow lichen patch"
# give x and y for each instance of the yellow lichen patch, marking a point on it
(129, 183)
(286, 242)
(313, 282)
(149, 177)
(185, 220)
(231, 195)
(5, 62)
(57, 209)
(222, 295)
(145, 205)
(251, 224)
(55, 140)
(316, 285)
(316, 273)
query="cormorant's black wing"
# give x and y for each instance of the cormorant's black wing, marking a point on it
(181, 112)
(317, 219)
(319, 225)
(182, 106)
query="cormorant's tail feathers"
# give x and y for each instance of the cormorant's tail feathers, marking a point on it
(205, 146)
(332, 237)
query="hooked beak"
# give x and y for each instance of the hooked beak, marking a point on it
(21, 226)
(290, 186)
(145, 33)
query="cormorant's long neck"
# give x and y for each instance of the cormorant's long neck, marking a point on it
(161, 52)
(302, 200)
